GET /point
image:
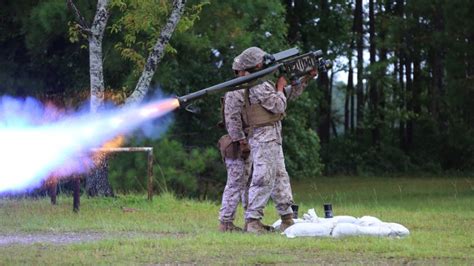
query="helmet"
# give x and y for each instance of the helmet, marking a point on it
(237, 64)
(248, 58)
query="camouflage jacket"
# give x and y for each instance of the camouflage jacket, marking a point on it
(233, 106)
(264, 94)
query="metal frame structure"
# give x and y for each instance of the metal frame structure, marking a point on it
(77, 180)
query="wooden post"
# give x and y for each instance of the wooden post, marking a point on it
(52, 189)
(150, 175)
(76, 194)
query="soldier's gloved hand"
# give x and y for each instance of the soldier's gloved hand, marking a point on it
(244, 148)
(281, 83)
(313, 73)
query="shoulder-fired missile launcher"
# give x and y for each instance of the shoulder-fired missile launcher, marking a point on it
(290, 63)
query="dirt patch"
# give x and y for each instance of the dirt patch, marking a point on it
(64, 238)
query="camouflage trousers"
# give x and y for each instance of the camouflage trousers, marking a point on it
(236, 188)
(269, 179)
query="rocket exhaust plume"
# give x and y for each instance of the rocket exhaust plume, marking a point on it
(31, 149)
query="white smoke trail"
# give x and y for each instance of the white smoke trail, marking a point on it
(31, 148)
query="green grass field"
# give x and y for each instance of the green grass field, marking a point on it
(439, 212)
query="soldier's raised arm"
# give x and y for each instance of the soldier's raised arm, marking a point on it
(297, 87)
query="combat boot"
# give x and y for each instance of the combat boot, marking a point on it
(269, 228)
(255, 226)
(286, 221)
(229, 227)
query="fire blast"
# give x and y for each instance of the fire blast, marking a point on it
(32, 149)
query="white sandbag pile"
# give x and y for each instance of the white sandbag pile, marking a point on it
(341, 226)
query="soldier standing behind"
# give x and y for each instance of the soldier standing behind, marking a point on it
(236, 153)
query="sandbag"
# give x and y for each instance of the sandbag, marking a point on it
(311, 216)
(345, 229)
(375, 230)
(368, 221)
(342, 226)
(338, 219)
(398, 229)
(309, 229)
(380, 230)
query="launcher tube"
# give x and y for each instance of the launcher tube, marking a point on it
(288, 62)
(229, 85)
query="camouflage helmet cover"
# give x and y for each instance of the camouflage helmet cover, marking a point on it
(248, 58)
(237, 64)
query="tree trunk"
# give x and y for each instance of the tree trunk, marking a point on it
(417, 83)
(401, 94)
(412, 75)
(325, 109)
(97, 183)
(383, 58)
(156, 54)
(437, 57)
(469, 57)
(95, 55)
(324, 127)
(293, 20)
(360, 66)
(409, 101)
(330, 116)
(469, 75)
(401, 101)
(374, 98)
(349, 100)
(394, 96)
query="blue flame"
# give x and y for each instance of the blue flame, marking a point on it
(35, 142)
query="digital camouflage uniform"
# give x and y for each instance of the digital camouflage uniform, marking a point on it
(270, 178)
(238, 170)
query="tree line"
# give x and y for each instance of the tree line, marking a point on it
(398, 100)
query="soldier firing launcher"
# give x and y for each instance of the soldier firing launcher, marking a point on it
(289, 63)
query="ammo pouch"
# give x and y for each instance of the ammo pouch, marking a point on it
(228, 148)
